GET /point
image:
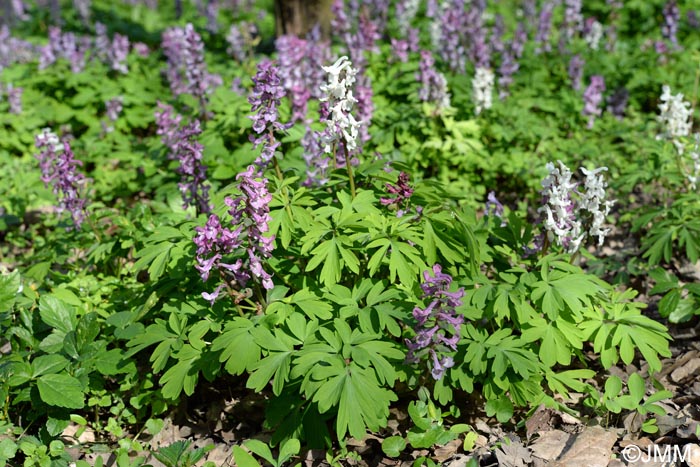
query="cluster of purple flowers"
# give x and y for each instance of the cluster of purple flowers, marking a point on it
(509, 62)
(317, 160)
(113, 108)
(250, 214)
(113, 52)
(433, 83)
(59, 169)
(67, 46)
(592, 99)
(573, 20)
(14, 98)
(14, 50)
(617, 102)
(265, 100)
(672, 16)
(241, 40)
(493, 206)
(402, 191)
(451, 21)
(438, 324)
(77, 49)
(576, 64)
(187, 71)
(183, 147)
(544, 27)
(300, 62)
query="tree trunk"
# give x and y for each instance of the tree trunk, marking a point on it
(298, 17)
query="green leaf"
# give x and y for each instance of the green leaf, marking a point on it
(56, 313)
(9, 288)
(502, 408)
(288, 449)
(61, 390)
(261, 449)
(393, 446)
(636, 386)
(239, 350)
(243, 459)
(46, 364)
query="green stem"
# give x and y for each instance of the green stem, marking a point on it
(348, 165)
(285, 192)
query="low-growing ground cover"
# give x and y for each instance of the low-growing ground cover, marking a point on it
(448, 233)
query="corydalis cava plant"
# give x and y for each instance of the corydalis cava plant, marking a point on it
(675, 118)
(569, 215)
(246, 240)
(437, 325)
(59, 170)
(342, 128)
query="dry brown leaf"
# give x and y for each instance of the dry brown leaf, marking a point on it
(543, 419)
(687, 371)
(550, 445)
(442, 453)
(513, 455)
(592, 448)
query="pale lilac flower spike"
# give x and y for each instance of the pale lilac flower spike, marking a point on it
(438, 324)
(59, 169)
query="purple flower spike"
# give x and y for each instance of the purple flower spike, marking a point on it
(402, 191)
(265, 100)
(576, 65)
(592, 98)
(437, 325)
(59, 169)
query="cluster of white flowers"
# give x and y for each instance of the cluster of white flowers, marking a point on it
(405, 12)
(482, 89)
(48, 137)
(559, 213)
(593, 199)
(675, 117)
(566, 220)
(695, 158)
(338, 94)
(594, 35)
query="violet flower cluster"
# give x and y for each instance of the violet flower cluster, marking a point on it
(14, 98)
(438, 324)
(59, 169)
(402, 192)
(241, 40)
(449, 31)
(14, 50)
(567, 221)
(113, 108)
(67, 46)
(593, 98)
(576, 64)
(265, 100)
(493, 206)
(544, 28)
(187, 71)
(433, 83)
(573, 19)
(183, 147)
(617, 102)
(250, 214)
(672, 16)
(509, 62)
(193, 173)
(114, 52)
(300, 68)
(317, 160)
